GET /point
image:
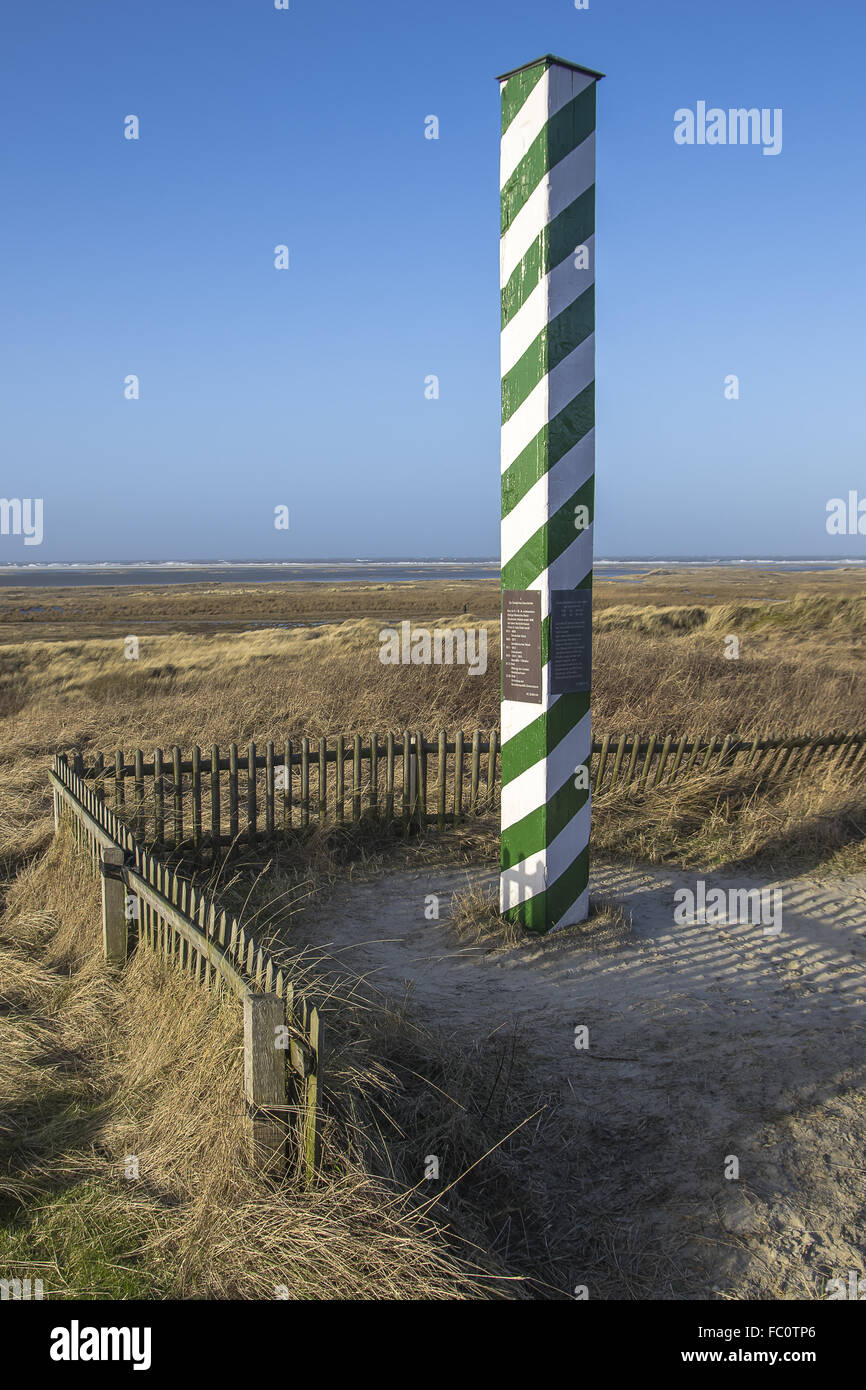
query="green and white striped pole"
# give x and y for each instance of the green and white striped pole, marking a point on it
(547, 260)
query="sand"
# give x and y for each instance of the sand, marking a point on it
(705, 1042)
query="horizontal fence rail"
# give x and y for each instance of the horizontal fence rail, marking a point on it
(211, 799)
(146, 904)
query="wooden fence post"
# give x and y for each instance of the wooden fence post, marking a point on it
(233, 792)
(441, 771)
(389, 777)
(340, 777)
(305, 782)
(287, 785)
(252, 806)
(140, 817)
(269, 787)
(177, 782)
(356, 779)
(491, 769)
(323, 780)
(114, 924)
(265, 1076)
(410, 781)
(196, 797)
(475, 775)
(158, 798)
(374, 774)
(311, 1099)
(215, 800)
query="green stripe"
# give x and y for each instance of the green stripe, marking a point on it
(524, 376)
(517, 89)
(556, 340)
(572, 327)
(554, 244)
(551, 444)
(540, 827)
(556, 139)
(539, 738)
(544, 910)
(548, 542)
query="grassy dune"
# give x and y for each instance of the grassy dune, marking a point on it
(659, 670)
(94, 1066)
(97, 1068)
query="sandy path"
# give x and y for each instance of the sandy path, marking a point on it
(705, 1041)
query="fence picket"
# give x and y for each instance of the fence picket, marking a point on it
(408, 795)
(475, 775)
(215, 825)
(252, 808)
(234, 819)
(340, 771)
(421, 783)
(139, 815)
(491, 768)
(287, 785)
(602, 762)
(305, 782)
(374, 774)
(356, 779)
(269, 788)
(158, 798)
(196, 797)
(647, 761)
(177, 779)
(389, 777)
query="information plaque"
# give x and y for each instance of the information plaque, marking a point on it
(521, 645)
(570, 640)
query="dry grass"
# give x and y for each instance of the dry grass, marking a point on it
(800, 668)
(475, 918)
(98, 1067)
(739, 821)
(94, 1066)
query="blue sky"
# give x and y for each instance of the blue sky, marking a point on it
(306, 387)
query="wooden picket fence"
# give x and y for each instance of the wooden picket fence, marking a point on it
(145, 904)
(205, 801)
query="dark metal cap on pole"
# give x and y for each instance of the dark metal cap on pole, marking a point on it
(551, 58)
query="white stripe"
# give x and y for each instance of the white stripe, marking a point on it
(552, 294)
(550, 94)
(535, 786)
(568, 569)
(566, 572)
(546, 496)
(527, 421)
(522, 331)
(559, 187)
(569, 843)
(517, 714)
(566, 283)
(552, 394)
(525, 127)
